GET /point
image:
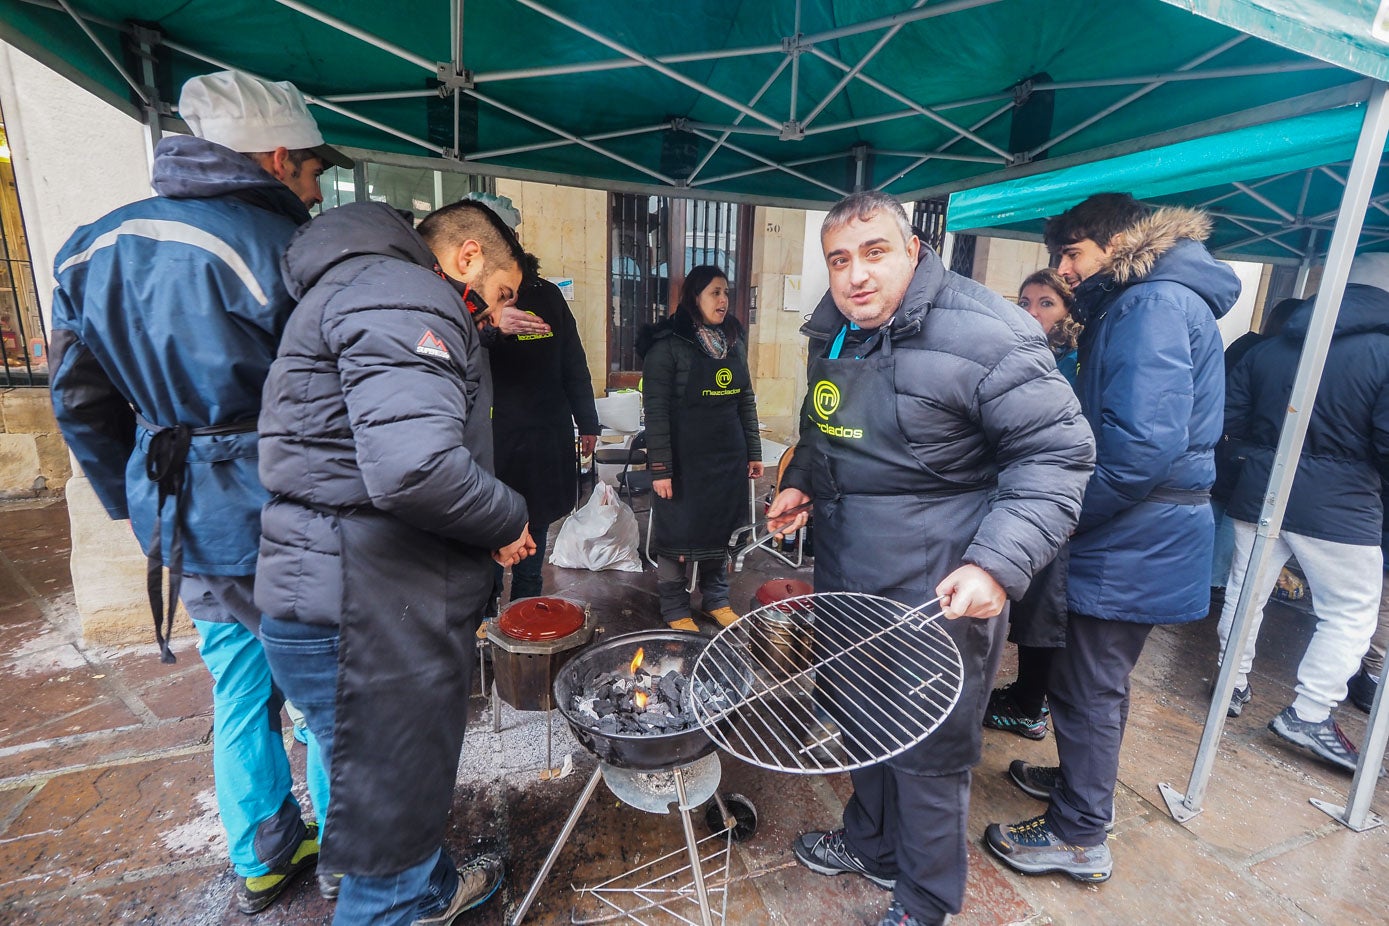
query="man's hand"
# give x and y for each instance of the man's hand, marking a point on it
(755, 469)
(665, 488)
(971, 592)
(786, 500)
(511, 320)
(586, 444)
(517, 550)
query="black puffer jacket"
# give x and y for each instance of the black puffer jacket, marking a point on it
(669, 349)
(368, 406)
(981, 404)
(1336, 491)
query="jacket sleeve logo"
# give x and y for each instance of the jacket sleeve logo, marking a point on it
(430, 345)
(723, 377)
(825, 398)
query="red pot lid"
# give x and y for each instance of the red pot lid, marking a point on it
(781, 589)
(533, 620)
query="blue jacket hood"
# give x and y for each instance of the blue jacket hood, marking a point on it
(353, 230)
(187, 167)
(1363, 309)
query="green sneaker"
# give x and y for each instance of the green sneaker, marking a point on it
(256, 893)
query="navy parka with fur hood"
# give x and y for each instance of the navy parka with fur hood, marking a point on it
(1152, 384)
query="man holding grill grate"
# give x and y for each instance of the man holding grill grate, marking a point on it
(946, 457)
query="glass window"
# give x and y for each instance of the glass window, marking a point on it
(415, 189)
(23, 341)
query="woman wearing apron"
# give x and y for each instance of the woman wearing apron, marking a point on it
(702, 443)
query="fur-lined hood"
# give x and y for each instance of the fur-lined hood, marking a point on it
(1165, 247)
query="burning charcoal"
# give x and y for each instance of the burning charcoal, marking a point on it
(602, 708)
(669, 687)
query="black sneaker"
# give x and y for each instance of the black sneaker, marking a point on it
(256, 893)
(1003, 713)
(1360, 690)
(826, 853)
(1238, 699)
(1032, 848)
(897, 915)
(1040, 781)
(477, 882)
(1324, 739)
(329, 886)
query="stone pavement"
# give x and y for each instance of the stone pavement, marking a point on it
(107, 811)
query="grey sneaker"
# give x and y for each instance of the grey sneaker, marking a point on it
(827, 853)
(1040, 780)
(1032, 848)
(897, 915)
(1324, 740)
(1238, 699)
(477, 882)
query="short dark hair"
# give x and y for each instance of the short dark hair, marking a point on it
(1098, 218)
(296, 156)
(1278, 316)
(468, 219)
(862, 207)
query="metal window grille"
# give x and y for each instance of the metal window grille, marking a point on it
(23, 340)
(928, 219)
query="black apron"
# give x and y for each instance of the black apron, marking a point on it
(711, 462)
(886, 524)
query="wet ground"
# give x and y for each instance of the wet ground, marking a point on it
(107, 811)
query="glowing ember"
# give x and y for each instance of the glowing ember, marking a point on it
(639, 698)
(636, 660)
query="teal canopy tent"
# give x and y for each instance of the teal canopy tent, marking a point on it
(1273, 189)
(778, 101)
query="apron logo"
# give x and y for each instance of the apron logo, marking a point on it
(430, 345)
(534, 337)
(825, 398)
(723, 377)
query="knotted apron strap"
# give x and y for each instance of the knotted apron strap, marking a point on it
(165, 466)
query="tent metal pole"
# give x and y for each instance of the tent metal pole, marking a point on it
(647, 60)
(597, 149)
(884, 22)
(106, 53)
(756, 98)
(774, 165)
(753, 171)
(379, 126)
(1137, 94)
(382, 95)
(1375, 204)
(1006, 107)
(347, 28)
(862, 63)
(618, 64)
(1264, 201)
(794, 53)
(971, 158)
(1253, 70)
(147, 38)
(1270, 237)
(1304, 269)
(907, 101)
(1360, 183)
(561, 142)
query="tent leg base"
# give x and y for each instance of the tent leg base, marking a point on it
(1338, 813)
(1176, 803)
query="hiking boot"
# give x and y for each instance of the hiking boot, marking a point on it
(897, 915)
(1324, 739)
(477, 882)
(256, 893)
(826, 853)
(1040, 781)
(1238, 699)
(1004, 714)
(684, 623)
(1033, 849)
(1360, 690)
(329, 886)
(725, 615)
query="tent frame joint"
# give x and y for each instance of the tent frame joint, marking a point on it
(792, 130)
(452, 79)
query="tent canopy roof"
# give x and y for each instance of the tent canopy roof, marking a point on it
(1273, 189)
(790, 101)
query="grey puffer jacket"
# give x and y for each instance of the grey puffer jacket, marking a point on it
(980, 403)
(378, 403)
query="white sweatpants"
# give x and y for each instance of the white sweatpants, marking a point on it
(1346, 581)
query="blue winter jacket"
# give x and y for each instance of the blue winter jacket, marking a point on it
(1336, 491)
(1152, 385)
(170, 309)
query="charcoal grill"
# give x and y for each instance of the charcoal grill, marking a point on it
(652, 772)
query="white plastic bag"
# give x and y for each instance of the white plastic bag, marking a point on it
(600, 535)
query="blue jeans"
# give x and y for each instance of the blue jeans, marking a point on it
(250, 769)
(526, 580)
(304, 658)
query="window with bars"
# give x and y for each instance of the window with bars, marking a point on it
(23, 341)
(928, 218)
(653, 241)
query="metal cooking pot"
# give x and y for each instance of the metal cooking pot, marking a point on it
(530, 641)
(652, 752)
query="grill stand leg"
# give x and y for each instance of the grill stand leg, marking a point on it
(564, 837)
(692, 845)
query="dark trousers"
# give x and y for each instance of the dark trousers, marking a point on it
(526, 580)
(1029, 691)
(672, 579)
(912, 827)
(1089, 698)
